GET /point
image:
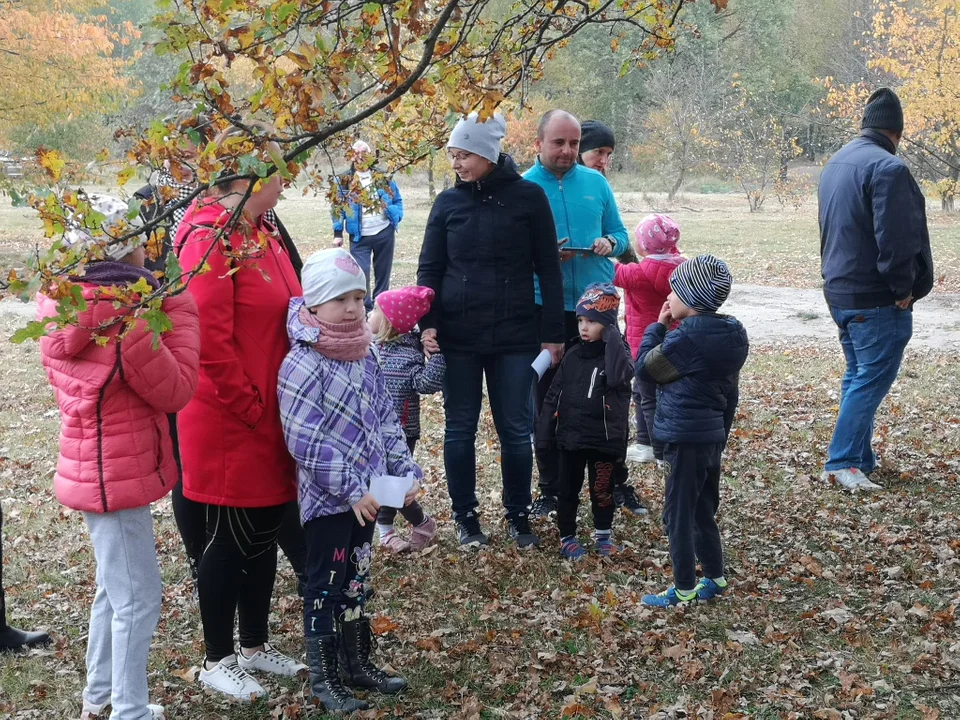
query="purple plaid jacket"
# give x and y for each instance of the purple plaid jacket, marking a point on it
(339, 424)
(409, 375)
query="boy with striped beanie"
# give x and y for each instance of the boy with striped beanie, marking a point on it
(697, 367)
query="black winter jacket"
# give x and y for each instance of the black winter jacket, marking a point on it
(697, 367)
(483, 244)
(874, 243)
(588, 404)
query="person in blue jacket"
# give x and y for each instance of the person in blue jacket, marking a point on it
(697, 367)
(590, 234)
(371, 209)
(876, 263)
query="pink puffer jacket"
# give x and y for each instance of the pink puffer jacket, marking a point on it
(115, 448)
(646, 285)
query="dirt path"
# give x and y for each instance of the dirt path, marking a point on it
(775, 314)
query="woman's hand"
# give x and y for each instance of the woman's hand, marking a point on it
(412, 493)
(366, 509)
(428, 338)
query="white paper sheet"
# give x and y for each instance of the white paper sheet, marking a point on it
(389, 490)
(542, 363)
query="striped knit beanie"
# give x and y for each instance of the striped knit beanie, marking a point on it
(703, 283)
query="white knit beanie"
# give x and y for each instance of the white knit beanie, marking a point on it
(328, 274)
(479, 138)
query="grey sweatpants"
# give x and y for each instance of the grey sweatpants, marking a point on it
(125, 611)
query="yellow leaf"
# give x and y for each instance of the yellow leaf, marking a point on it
(123, 177)
(52, 162)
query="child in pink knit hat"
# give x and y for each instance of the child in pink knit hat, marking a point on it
(646, 285)
(408, 374)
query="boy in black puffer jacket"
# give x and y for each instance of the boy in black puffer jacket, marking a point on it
(697, 367)
(588, 415)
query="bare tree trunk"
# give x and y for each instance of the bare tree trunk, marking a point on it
(431, 180)
(947, 201)
(677, 183)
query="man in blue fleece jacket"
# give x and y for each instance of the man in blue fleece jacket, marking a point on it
(591, 234)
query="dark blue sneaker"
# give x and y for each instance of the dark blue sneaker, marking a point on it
(605, 546)
(469, 532)
(571, 549)
(708, 589)
(669, 598)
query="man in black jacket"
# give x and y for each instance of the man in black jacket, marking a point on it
(876, 263)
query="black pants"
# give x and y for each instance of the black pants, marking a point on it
(412, 513)
(548, 459)
(3, 605)
(690, 505)
(236, 575)
(600, 469)
(339, 552)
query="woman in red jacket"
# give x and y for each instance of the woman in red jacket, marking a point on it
(115, 452)
(234, 456)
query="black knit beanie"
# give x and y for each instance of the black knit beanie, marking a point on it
(594, 134)
(883, 112)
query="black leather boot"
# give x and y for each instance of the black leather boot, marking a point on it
(12, 639)
(325, 685)
(357, 668)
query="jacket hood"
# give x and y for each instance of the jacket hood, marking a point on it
(729, 345)
(504, 172)
(73, 339)
(299, 333)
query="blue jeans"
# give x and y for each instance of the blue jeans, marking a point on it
(873, 341)
(380, 247)
(508, 377)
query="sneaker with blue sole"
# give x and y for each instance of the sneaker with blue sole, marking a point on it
(707, 589)
(669, 598)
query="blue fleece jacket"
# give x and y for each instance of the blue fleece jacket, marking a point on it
(351, 218)
(584, 209)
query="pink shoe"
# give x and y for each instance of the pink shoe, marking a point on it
(395, 542)
(423, 535)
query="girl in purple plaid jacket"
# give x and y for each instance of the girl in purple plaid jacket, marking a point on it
(341, 428)
(409, 374)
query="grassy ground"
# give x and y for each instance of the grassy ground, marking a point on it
(841, 607)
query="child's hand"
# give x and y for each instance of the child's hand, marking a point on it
(666, 317)
(412, 493)
(366, 508)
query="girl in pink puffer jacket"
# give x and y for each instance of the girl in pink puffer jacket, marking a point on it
(116, 457)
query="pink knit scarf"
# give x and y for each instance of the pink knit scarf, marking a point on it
(339, 341)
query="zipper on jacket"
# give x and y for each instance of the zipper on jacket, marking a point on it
(159, 432)
(117, 368)
(606, 430)
(572, 263)
(593, 380)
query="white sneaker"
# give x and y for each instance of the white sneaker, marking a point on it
(638, 453)
(850, 479)
(270, 661)
(229, 678)
(91, 711)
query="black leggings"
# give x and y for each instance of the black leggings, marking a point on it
(236, 573)
(338, 571)
(191, 518)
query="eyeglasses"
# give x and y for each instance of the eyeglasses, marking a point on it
(458, 157)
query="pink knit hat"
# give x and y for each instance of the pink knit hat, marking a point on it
(658, 234)
(405, 307)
